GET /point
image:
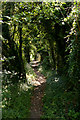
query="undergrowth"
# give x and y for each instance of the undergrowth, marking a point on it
(15, 100)
(16, 96)
(59, 103)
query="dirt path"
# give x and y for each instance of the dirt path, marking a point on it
(38, 93)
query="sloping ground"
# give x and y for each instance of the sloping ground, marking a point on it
(38, 93)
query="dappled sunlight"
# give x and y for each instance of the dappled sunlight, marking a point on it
(24, 86)
(36, 101)
(35, 78)
(40, 69)
(38, 93)
(56, 79)
(30, 78)
(41, 77)
(40, 60)
(34, 62)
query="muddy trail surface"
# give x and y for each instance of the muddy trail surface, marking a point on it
(38, 93)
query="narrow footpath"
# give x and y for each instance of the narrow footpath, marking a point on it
(38, 93)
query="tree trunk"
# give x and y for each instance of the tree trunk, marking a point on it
(27, 53)
(22, 70)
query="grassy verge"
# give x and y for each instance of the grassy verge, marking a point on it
(16, 96)
(15, 100)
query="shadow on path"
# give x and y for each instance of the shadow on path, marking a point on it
(38, 93)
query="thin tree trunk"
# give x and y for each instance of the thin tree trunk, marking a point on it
(52, 52)
(20, 49)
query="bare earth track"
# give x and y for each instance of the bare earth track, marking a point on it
(38, 93)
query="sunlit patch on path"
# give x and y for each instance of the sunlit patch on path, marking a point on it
(38, 93)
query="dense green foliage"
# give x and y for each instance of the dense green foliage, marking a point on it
(50, 33)
(16, 96)
(59, 103)
(16, 102)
